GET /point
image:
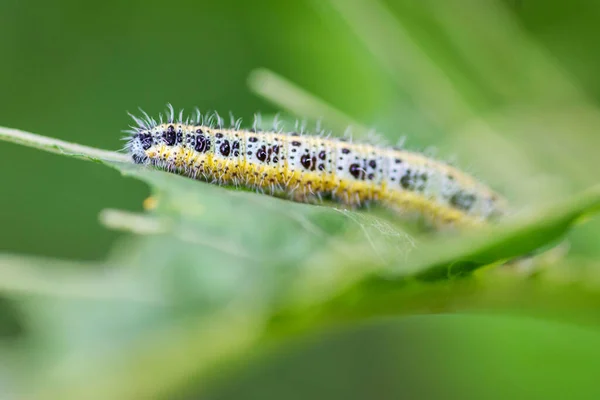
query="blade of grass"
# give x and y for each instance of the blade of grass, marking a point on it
(503, 53)
(406, 62)
(299, 102)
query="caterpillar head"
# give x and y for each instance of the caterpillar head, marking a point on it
(139, 144)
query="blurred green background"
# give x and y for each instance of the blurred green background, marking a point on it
(528, 68)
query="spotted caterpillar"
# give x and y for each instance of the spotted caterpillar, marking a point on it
(307, 168)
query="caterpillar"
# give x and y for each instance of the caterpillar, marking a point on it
(310, 168)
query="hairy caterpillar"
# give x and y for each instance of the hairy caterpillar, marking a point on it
(308, 168)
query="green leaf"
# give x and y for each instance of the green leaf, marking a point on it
(222, 271)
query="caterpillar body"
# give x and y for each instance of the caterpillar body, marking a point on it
(309, 168)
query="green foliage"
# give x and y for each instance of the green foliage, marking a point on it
(211, 274)
(223, 293)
